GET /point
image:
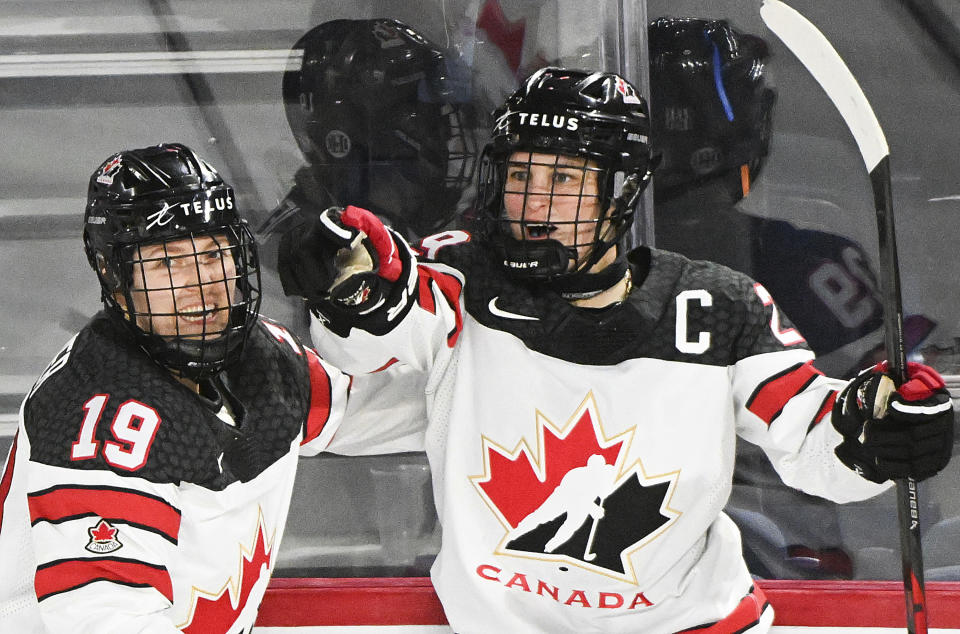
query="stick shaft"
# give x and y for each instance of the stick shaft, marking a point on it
(890, 294)
(908, 500)
(816, 53)
(587, 554)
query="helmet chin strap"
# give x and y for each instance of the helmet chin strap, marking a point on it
(545, 261)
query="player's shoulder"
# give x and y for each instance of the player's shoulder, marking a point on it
(104, 404)
(273, 355)
(268, 334)
(99, 356)
(675, 271)
(103, 388)
(458, 248)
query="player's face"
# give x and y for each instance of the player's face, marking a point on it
(553, 196)
(184, 288)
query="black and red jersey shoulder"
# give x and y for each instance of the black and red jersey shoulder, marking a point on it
(678, 310)
(104, 404)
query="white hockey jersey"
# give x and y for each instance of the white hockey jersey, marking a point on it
(581, 458)
(129, 506)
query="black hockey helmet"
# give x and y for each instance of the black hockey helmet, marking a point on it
(596, 117)
(710, 106)
(165, 195)
(384, 119)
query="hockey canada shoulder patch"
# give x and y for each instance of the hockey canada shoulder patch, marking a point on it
(103, 538)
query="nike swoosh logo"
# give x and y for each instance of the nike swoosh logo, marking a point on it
(492, 307)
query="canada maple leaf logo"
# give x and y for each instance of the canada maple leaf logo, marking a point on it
(573, 498)
(103, 532)
(218, 611)
(103, 538)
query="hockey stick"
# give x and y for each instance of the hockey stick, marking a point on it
(588, 554)
(822, 61)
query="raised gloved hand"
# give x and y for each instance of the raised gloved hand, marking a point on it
(891, 433)
(340, 256)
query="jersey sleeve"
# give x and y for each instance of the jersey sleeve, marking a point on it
(100, 545)
(391, 353)
(783, 404)
(367, 414)
(329, 391)
(386, 413)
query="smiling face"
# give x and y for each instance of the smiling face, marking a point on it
(184, 288)
(553, 196)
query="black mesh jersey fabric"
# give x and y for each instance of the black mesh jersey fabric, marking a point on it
(643, 326)
(269, 391)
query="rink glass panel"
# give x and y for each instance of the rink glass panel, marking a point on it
(77, 87)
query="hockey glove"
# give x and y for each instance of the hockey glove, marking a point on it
(891, 433)
(341, 257)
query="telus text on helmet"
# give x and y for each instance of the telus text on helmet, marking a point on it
(164, 215)
(544, 120)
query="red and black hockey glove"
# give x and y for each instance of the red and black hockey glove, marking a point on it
(891, 433)
(342, 256)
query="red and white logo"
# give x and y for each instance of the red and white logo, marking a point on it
(103, 538)
(108, 172)
(574, 498)
(627, 92)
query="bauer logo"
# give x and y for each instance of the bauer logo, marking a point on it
(571, 495)
(546, 120)
(103, 538)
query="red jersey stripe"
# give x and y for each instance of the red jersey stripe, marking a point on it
(450, 286)
(386, 365)
(320, 391)
(825, 408)
(424, 294)
(7, 478)
(770, 397)
(744, 616)
(114, 505)
(70, 574)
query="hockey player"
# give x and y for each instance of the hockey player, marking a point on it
(383, 121)
(542, 346)
(151, 473)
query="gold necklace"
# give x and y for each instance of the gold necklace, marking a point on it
(628, 286)
(606, 298)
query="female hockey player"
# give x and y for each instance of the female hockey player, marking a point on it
(582, 403)
(151, 474)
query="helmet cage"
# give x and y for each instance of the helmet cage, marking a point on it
(385, 121)
(596, 122)
(557, 229)
(165, 209)
(223, 278)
